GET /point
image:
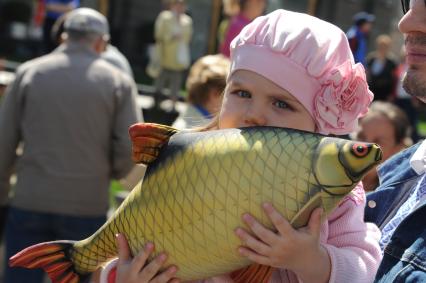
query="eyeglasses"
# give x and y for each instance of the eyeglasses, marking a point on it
(406, 5)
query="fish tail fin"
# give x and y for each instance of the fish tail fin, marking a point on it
(52, 257)
(147, 140)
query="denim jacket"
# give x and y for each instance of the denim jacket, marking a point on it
(404, 258)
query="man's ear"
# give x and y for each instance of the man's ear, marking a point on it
(100, 45)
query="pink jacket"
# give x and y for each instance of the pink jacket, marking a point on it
(236, 24)
(352, 244)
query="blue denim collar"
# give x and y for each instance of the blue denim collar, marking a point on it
(397, 169)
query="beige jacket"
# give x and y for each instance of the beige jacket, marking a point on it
(173, 36)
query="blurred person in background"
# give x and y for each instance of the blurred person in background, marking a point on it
(386, 125)
(249, 10)
(71, 111)
(381, 70)
(114, 56)
(110, 53)
(173, 33)
(231, 8)
(6, 78)
(205, 84)
(53, 10)
(358, 35)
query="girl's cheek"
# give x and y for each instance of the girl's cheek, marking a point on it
(227, 120)
(230, 115)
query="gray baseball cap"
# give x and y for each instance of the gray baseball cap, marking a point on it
(86, 20)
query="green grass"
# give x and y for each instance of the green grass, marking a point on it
(421, 128)
(421, 124)
(115, 187)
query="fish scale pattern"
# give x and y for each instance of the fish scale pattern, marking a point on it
(194, 201)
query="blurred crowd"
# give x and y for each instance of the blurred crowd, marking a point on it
(81, 97)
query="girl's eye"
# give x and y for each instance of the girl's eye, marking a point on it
(243, 93)
(281, 104)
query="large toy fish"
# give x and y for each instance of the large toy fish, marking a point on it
(193, 195)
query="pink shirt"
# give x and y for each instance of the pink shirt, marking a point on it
(236, 24)
(352, 244)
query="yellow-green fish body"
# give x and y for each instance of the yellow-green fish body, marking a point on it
(192, 197)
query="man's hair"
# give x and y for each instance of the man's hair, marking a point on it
(83, 37)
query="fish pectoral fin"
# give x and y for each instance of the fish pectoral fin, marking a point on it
(302, 217)
(147, 140)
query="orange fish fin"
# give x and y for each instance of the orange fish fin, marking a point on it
(254, 273)
(147, 140)
(52, 258)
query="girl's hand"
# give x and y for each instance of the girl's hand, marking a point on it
(296, 250)
(137, 270)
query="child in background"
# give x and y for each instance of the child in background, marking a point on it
(386, 125)
(205, 84)
(288, 70)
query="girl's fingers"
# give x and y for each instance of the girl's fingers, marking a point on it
(252, 243)
(150, 270)
(251, 255)
(124, 253)
(280, 223)
(140, 259)
(165, 276)
(264, 234)
(314, 224)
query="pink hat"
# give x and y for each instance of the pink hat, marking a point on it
(311, 59)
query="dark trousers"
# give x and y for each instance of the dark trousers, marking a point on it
(48, 42)
(25, 228)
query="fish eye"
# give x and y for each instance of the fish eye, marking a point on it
(360, 150)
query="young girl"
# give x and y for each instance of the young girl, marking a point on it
(289, 70)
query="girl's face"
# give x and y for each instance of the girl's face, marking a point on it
(252, 100)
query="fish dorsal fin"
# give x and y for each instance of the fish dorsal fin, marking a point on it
(147, 140)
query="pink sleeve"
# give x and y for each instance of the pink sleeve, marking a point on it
(108, 272)
(352, 244)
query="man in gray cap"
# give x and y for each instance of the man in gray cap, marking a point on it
(71, 111)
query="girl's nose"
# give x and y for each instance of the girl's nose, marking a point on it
(254, 116)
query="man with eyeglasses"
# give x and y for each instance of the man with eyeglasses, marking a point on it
(398, 206)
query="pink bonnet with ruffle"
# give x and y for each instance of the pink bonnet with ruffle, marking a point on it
(311, 59)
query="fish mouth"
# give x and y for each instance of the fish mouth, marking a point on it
(345, 189)
(379, 154)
